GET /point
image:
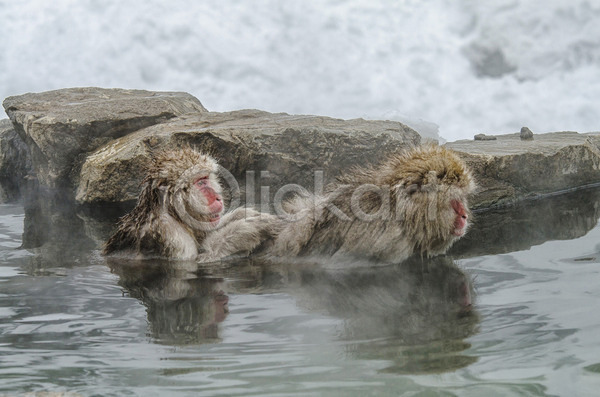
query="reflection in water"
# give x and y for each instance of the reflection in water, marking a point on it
(53, 232)
(183, 307)
(60, 234)
(416, 314)
(530, 223)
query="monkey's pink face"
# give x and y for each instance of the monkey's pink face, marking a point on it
(461, 217)
(214, 202)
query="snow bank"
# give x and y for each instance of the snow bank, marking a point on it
(468, 67)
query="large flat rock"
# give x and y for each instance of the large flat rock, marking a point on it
(509, 169)
(59, 126)
(97, 142)
(279, 148)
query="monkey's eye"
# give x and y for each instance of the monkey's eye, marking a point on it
(202, 181)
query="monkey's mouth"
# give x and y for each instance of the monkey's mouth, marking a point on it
(458, 232)
(460, 220)
(215, 218)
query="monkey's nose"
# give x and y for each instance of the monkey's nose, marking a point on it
(216, 206)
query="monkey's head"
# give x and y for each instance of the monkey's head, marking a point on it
(186, 185)
(431, 185)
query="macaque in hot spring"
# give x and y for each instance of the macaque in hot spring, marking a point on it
(413, 203)
(180, 214)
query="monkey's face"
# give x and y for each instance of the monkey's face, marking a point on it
(212, 202)
(194, 190)
(436, 216)
(197, 200)
(433, 186)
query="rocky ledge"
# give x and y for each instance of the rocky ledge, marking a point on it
(510, 169)
(94, 143)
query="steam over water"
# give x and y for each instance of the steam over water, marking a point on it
(465, 66)
(514, 313)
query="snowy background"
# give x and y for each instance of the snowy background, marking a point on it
(466, 67)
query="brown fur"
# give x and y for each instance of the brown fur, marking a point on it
(172, 220)
(420, 183)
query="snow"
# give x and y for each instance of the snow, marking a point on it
(466, 66)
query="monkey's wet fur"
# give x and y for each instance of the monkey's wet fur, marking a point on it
(179, 214)
(414, 202)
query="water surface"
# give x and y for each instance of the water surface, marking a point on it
(513, 312)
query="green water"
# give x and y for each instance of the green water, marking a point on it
(74, 322)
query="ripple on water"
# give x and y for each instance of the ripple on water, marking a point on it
(82, 326)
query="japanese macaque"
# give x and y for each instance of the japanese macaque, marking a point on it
(413, 203)
(179, 214)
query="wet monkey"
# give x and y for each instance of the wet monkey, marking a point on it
(414, 202)
(180, 214)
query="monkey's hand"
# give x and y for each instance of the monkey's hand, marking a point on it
(242, 213)
(239, 234)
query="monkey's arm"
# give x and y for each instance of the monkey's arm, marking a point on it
(242, 213)
(241, 232)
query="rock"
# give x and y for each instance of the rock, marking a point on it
(61, 126)
(97, 143)
(290, 148)
(483, 137)
(15, 162)
(526, 134)
(509, 169)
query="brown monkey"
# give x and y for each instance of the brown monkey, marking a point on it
(179, 213)
(414, 202)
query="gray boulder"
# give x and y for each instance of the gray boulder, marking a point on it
(510, 169)
(97, 143)
(280, 148)
(526, 134)
(61, 126)
(15, 162)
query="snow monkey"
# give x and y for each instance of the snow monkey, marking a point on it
(179, 214)
(413, 203)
